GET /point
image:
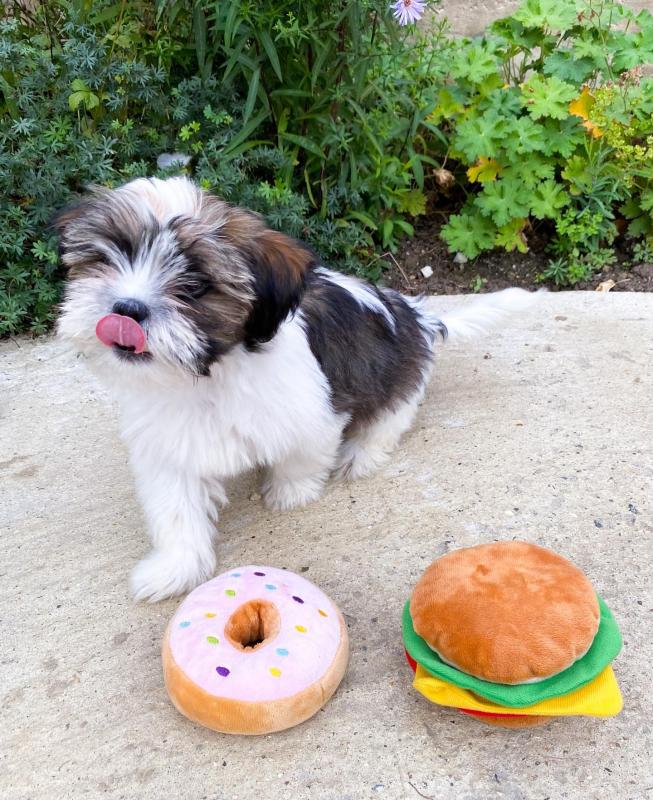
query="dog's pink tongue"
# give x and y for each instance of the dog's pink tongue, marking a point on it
(125, 331)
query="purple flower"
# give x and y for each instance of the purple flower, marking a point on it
(407, 11)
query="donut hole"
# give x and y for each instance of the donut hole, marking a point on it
(253, 624)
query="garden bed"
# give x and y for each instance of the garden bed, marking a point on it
(528, 150)
(496, 269)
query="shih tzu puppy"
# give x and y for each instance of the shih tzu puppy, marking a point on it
(228, 345)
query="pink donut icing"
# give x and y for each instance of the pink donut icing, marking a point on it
(296, 657)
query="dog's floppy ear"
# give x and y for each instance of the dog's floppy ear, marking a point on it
(62, 219)
(279, 266)
(60, 222)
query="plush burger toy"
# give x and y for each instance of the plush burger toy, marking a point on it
(512, 634)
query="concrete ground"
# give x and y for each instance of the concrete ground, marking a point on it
(470, 17)
(542, 432)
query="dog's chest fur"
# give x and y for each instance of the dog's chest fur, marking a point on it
(254, 409)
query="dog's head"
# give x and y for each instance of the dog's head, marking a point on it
(163, 276)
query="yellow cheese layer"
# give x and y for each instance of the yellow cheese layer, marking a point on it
(599, 698)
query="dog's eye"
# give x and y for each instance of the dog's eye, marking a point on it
(193, 289)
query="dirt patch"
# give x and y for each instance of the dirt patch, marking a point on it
(496, 269)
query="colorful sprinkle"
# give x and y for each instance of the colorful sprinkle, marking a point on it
(223, 671)
(297, 599)
(281, 651)
(275, 671)
(270, 586)
(184, 624)
(235, 575)
(209, 615)
(230, 592)
(212, 640)
(260, 574)
(300, 628)
(323, 613)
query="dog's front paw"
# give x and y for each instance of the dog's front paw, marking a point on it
(166, 573)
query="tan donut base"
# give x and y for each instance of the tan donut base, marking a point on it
(248, 718)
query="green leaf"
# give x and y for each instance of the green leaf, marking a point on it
(563, 136)
(386, 232)
(511, 236)
(632, 50)
(271, 50)
(413, 203)
(640, 226)
(304, 143)
(503, 200)
(577, 171)
(586, 47)
(108, 13)
(547, 199)
(245, 132)
(418, 171)
(513, 32)
(475, 62)
(646, 199)
(506, 102)
(199, 31)
(75, 99)
(318, 66)
(251, 94)
(365, 219)
(232, 22)
(404, 226)
(484, 171)
(448, 105)
(525, 136)
(469, 234)
(479, 136)
(547, 97)
(551, 15)
(575, 70)
(631, 209)
(82, 94)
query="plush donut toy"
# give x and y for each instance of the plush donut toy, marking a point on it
(513, 635)
(253, 651)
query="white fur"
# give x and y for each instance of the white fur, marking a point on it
(487, 311)
(166, 198)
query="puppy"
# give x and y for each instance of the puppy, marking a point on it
(228, 345)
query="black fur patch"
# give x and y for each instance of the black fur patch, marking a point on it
(370, 367)
(277, 296)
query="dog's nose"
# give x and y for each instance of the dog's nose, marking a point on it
(131, 308)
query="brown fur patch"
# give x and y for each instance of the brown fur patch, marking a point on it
(286, 257)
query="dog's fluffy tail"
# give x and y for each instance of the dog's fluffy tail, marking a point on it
(483, 314)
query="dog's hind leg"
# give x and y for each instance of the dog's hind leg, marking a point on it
(300, 477)
(370, 448)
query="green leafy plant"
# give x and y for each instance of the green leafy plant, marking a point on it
(340, 91)
(551, 120)
(315, 116)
